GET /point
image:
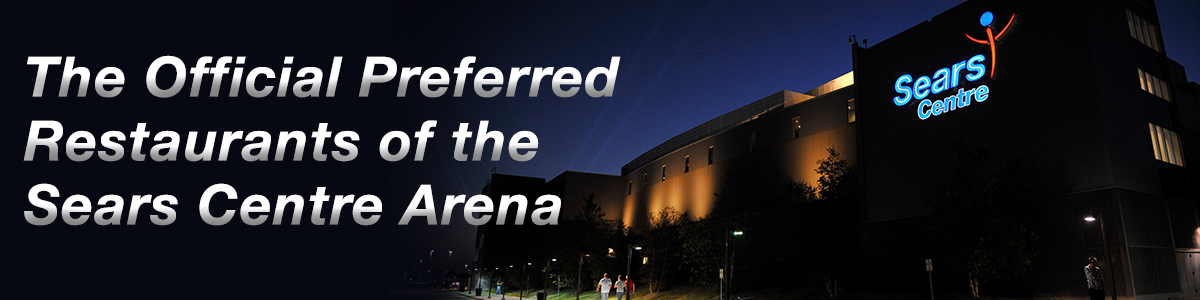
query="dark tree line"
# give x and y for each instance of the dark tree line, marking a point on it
(798, 234)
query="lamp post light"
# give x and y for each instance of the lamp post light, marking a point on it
(1107, 254)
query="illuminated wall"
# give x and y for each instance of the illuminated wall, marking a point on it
(767, 140)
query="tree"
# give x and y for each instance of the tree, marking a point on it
(975, 226)
(793, 230)
(663, 243)
(835, 214)
(596, 236)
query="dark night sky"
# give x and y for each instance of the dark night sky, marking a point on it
(682, 63)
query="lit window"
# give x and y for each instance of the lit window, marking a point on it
(1153, 85)
(687, 163)
(796, 127)
(1142, 31)
(710, 153)
(1166, 145)
(664, 177)
(850, 110)
(630, 191)
(644, 181)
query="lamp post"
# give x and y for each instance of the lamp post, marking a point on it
(726, 286)
(629, 260)
(546, 287)
(524, 280)
(502, 291)
(579, 279)
(493, 280)
(1104, 239)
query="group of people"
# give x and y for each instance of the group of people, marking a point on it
(623, 286)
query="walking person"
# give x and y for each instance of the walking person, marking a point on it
(603, 287)
(629, 288)
(620, 287)
(1095, 279)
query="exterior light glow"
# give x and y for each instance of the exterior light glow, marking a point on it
(739, 232)
(1090, 219)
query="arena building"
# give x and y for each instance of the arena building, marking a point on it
(1083, 92)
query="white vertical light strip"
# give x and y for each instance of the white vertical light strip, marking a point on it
(1163, 145)
(1166, 91)
(1151, 83)
(1171, 155)
(1141, 30)
(1145, 32)
(1142, 78)
(1154, 141)
(1153, 37)
(1176, 149)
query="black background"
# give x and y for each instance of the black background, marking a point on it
(189, 258)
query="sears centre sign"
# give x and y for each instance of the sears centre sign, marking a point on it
(947, 79)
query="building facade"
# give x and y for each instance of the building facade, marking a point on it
(1083, 92)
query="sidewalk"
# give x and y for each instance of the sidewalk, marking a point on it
(471, 295)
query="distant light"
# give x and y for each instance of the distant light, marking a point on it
(739, 232)
(1090, 219)
(528, 264)
(637, 248)
(553, 259)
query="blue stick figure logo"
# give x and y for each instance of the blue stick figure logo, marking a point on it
(986, 21)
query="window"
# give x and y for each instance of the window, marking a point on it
(664, 177)
(644, 181)
(710, 152)
(850, 110)
(796, 127)
(1166, 145)
(687, 163)
(1153, 85)
(630, 190)
(1142, 31)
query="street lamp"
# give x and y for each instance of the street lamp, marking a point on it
(501, 290)
(579, 279)
(727, 280)
(524, 280)
(546, 286)
(1104, 239)
(629, 260)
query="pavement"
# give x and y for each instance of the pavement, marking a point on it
(454, 295)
